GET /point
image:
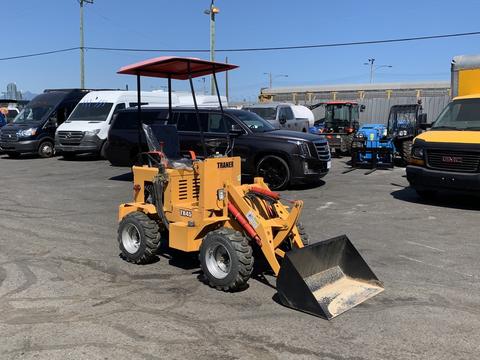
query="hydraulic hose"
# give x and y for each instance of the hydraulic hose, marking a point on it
(244, 223)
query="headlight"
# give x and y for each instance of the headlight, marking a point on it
(418, 153)
(384, 132)
(303, 147)
(360, 135)
(92, 132)
(26, 132)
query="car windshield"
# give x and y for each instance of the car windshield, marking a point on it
(459, 115)
(264, 112)
(91, 111)
(253, 121)
(402, 119)
(337, 115)
(33, 113)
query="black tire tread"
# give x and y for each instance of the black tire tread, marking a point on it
(407, 151)
(245, 258)
(348, 144)
(152, 236)
(303, 234)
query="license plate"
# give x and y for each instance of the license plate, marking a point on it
(338, 136)
(329, 165)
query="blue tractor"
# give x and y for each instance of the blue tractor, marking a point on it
(372, 148)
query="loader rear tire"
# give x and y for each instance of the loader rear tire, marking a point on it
(138, 238)
(303, 234)
(226, 259)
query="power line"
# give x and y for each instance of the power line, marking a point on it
(39, 53)
(277, 48)
(297, 47)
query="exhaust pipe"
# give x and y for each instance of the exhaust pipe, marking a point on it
(326, 278)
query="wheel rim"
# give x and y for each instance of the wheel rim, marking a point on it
(131, 238)
(47, 149)
(273, 172)
(218, 261)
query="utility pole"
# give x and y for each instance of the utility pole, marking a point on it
(82, 44)
(226, 80)
(212, 12)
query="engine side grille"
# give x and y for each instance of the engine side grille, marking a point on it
(453, 160)
(196, 188)
(70, 137)
(182, 189)
(189, 189)
(323, 150)
(8, 135)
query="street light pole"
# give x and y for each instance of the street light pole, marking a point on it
(271, 76)
(82, 44)
(371, 62)
(373, 68)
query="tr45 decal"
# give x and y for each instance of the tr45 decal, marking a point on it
(186, 213)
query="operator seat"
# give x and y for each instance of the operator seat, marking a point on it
(164, 138)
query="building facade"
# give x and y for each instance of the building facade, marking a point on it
(377, 98)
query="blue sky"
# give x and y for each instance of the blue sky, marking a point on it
(32, 26)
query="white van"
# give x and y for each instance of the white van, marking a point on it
(86, 129)
(203, 101)
(283, 115)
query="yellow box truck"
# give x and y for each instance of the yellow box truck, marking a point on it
(447, 157)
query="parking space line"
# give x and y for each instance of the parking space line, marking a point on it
(435, 266)
(425, 246)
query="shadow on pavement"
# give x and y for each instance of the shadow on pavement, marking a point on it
(81, 157)
(21, 157)
(307, 186)
(442, 199)
(128, 176)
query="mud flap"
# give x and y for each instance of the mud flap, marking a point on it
(326, 278)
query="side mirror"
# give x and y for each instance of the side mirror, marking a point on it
(236, 130)
(362, 108)
(282, 119)
(422, 118)
(52, 122)
(424, 126)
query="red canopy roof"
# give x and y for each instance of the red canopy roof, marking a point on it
(341, 103)
(175, 67)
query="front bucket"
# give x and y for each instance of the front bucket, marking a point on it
(326, 278)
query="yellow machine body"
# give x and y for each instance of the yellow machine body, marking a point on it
(193, 207)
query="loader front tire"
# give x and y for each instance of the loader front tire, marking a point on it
(138, 238)
(226, 259)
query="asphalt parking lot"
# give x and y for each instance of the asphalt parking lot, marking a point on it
(66, 294)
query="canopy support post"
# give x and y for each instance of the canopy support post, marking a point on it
(199, 124)
(169, 98)
(139, 113)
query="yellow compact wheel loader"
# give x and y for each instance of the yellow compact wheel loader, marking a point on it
(200, 206)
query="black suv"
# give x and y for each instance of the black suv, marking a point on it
(281, 157)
